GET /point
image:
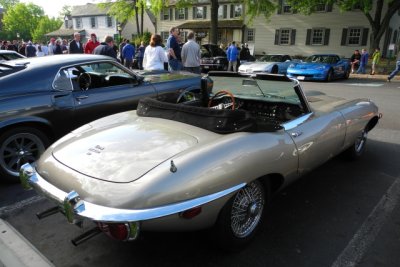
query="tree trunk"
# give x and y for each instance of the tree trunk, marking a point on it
(136, 16)
(214, 22)
(141, 18)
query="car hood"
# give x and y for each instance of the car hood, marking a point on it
(107, 152)
(308, 66)
(256, 65)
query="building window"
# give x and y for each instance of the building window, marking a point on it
(250, 35)
(321, 7)
(317, 36)
(285, 8)
(354, 36)
(236, 11)
(109, 22)
(166, 14)
(78, 22)
(181, 13)
(93, 22)
(285, 36)
(164, 36)
(199, 12)
(223, 11)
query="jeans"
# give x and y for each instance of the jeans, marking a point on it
(361, 69)
(397, 70)
(174, 64)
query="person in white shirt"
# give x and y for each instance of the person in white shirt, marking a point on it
(52, 46)
(191, 55)
(45, 49)
(154, 55)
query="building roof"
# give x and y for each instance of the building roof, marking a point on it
(88, 10)
(62, 32)
(206, 24)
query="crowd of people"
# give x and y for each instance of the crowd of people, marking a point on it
(359, 61)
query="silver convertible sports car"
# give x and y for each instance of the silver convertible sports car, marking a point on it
(207, 160)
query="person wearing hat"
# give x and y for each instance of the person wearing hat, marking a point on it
(51, 46)
(91, 44)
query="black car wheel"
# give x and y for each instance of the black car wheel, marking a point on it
(329, 76)
(241, 217)
(274, 70)
(357, 149)
(19, 146)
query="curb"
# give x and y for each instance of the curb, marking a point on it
(16, 250)
(375, 77)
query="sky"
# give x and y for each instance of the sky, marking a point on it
(52, 8)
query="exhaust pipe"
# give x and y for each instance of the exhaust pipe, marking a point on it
(48, 212)
(86, 236)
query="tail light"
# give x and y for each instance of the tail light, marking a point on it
(120, 231)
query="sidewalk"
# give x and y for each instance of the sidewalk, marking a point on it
(15, 250)
(382, 77)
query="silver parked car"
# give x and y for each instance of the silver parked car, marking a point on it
(212, 160)
(274, 63)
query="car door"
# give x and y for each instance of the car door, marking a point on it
(338, 66)
(111, 89)
(318, 137)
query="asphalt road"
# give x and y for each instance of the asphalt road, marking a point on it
(342, 214)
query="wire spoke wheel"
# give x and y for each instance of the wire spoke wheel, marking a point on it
(247, 209)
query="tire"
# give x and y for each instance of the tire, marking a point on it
(17, 147)
(347, 75)
(358, 148)
(241, 217)
(329, 76)
(274, 70)
(225, 67)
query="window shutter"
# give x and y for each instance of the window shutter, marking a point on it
(232, 8)
(364, 36)
(205, 12)
(225, 11)
(326, 38)
(329, 7)
(276, 37)
(194, 12)
(171, 12)
(293, 37)
(308, 38)
(176, 13)
(161, 15)
(186, 13)
(344, 37)
(280, 6)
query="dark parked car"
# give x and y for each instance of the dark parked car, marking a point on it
(9, 55)
(213, 58)
(42, 99)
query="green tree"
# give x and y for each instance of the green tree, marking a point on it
(377, 15)
(23, 19)
(6, 4)
(65, 11)
(45, 25)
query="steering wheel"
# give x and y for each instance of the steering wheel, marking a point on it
(84, 81)
(223, 105)
(186, 96)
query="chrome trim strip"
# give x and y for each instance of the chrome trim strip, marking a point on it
(106, 214)
(296, 122)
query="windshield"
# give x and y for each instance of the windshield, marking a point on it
(321, 59)
(271, 58)
(254, 88)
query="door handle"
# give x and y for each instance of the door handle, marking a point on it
(81, 97)
(296, 134)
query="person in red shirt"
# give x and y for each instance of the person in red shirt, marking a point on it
(91, 44)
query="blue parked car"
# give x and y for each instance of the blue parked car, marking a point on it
(320, 67)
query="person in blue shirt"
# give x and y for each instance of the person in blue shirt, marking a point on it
(232, 55)
(174, 50)
(128, 52)
(363, 61)
(140, 55)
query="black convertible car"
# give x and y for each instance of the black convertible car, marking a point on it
(42, 99)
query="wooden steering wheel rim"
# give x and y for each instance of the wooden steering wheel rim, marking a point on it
(223, 92)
